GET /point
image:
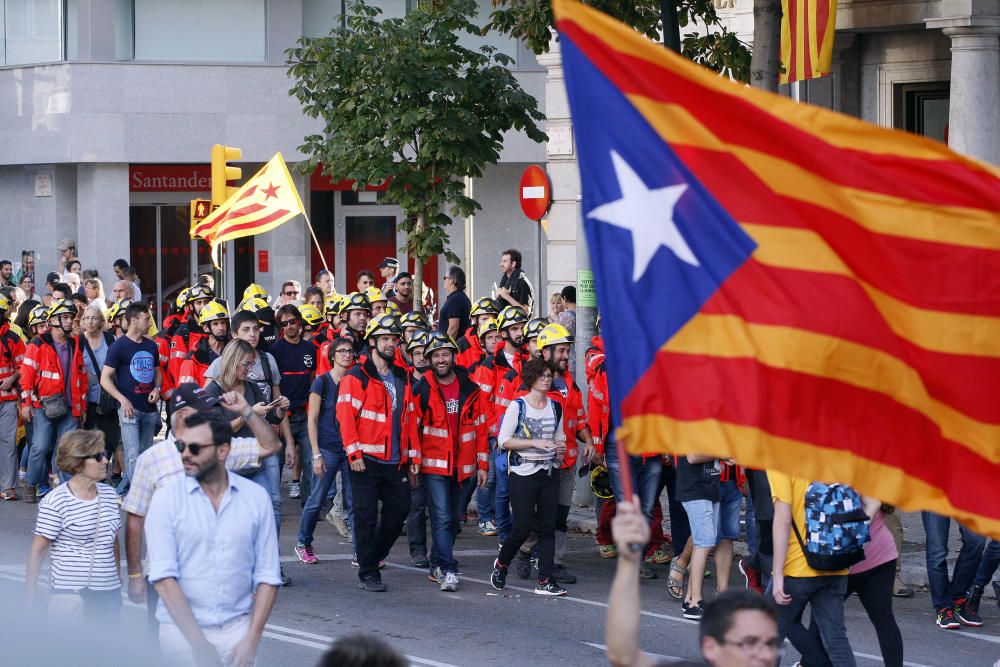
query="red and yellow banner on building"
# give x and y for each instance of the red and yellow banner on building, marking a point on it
(807, 31)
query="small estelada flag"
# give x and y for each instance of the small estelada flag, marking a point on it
(267, 200)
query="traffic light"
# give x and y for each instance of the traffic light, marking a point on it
(200, 208)
(222, 173)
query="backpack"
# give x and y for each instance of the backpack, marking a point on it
(836, 527)
(513, 458)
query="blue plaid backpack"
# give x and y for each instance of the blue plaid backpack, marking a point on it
(836, 527)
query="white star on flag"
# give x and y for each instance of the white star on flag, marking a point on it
(647, 214)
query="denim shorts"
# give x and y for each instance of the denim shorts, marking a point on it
(730, 502)
(703, 515)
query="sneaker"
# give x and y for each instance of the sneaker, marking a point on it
(450, 583)
(294, 490)
(694, 612)
(562, 575)
(522, 565)
(436, 575)
(29, 494)
(354, 561)
(647, 573)
(967, 609)
(334, 519)
(305, 554)
(751, 576)
(285, 579)
(658, 557)
(499, 577)
(487, 528)
(946, 619)
(420, 560)
(549, 587)
(607, 550)
(372, 585)
(41, 490)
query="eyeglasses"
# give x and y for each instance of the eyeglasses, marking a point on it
(194, 448)
(754, 644)
(290, 293)
(246, 364)
(99, 456)
(345, 350)
(288, 323)
(545, 376)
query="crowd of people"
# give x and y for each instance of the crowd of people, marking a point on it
(386, 416)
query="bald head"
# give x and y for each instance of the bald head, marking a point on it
(122, 289)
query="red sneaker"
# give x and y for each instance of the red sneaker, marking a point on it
(751, 576)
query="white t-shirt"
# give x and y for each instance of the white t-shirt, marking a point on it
(540, 424)
(71, 525)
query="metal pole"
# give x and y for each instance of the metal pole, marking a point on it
(158, 308)
(586, 313)
(671, 30)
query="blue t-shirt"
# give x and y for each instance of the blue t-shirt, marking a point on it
(297, 363)
(396, 390)
(135, 369)
(328, 429)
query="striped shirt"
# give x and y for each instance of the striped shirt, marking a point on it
(70, 524)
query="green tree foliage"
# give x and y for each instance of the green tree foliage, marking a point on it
(711, 45)
(403, 99)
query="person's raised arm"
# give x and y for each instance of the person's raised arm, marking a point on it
(262, 431)
(622, 632)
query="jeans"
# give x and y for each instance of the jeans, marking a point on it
(536, 502)
(730, 501)
(445, 497)
(486, 495)
(945, 591)
(269, 477)
(336, 464)
(299, 424)
(825, 597)
(501, 498)
(416, 522)
(8, 445)
(645, 477)
(137, 437)
(387, 483)
(988, 564)
(44, 437)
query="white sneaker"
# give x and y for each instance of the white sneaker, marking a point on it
(294, 491)
(450, 583)
(334, 519)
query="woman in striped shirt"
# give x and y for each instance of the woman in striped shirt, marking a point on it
(79, 522)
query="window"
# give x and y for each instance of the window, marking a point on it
(201, 30)
(31, 31)
(319, 17)
(502, 43)
(922, 108)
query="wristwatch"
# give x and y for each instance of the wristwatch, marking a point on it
(317, 457)
(250, 413)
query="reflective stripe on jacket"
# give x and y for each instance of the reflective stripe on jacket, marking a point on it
(364, 411)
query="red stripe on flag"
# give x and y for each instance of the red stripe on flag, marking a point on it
(837, 306)
(924, 274)
(793, 31)
(824, 412)
(249, 209)
(260, 222)
(931, 181)
(249, 192)
(808, 40)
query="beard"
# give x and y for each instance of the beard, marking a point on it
(387, 357)
(438, 373)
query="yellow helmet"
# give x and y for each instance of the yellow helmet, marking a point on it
(182, 298)
(332, 305)
(255, 291)
(62, 307)
(484, 306)
(510, 316)
(310, 314)
(39, 315)
(534, 327)
(419, 340)
(199, 292)
(4, 302)
(383, 325)
(355, 301)
(374, 295)
(554, 334)
(253, 305)
(486, 327)
(120, 305)
(392, 308)
(600, 482)
(414, 320)
(212, 311)
(439, 340)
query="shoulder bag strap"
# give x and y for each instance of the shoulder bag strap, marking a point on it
(93, 543)
(90, 353)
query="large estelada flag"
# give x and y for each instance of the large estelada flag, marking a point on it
(785, 285)
(265, 201)
(807, 32)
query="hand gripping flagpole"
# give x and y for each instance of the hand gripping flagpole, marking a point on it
(625, 479)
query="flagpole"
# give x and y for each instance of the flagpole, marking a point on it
(315, 240)
(625, 481)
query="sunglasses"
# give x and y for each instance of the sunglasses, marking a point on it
(288, 323)
(291, 293)
(99, 456)
(194, 448)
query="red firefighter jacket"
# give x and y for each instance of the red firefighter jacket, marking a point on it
(432, 444)
(42, 374)
(364, 411)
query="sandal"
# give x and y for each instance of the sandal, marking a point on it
(675, 587)
(10, 494)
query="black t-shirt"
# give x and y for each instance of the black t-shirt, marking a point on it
(457, 305)
(297, 364)
(135, 370)
(697, 481)
(520, 289)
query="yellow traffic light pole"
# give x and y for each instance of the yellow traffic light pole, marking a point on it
(222, 174)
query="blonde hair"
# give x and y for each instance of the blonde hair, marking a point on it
(96, 283)
(96, 310)
(75, 447)
(232, 357)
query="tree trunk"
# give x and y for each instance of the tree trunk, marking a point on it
(418, 271)
(766, 43)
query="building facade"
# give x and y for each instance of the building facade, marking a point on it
(109, 109)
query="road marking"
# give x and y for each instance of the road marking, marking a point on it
(985, 638)
(658, 656)
(329, 640)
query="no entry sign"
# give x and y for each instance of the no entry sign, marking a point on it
(535, 192)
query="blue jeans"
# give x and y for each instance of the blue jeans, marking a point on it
(269, 477)
(445, 497)
(299, 425)
(730, 501)
(988, 564)
(825, 597)
(45, 435)
(501, 497)
(137, 437)
(336, 464)
(486, 495)
(645, 477)
(945, 591)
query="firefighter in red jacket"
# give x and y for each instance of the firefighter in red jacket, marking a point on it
(214, 320)
(470, 347)
(11, 358)
(508, 357)
(371, 410)
(53, 390)
(190, 331)
(449, 431)
(411, 323)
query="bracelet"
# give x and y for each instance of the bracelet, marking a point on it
(136, 575)
(250, 413)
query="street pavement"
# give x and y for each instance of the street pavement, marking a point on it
(476, 625)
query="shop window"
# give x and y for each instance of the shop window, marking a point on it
(201, 30)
